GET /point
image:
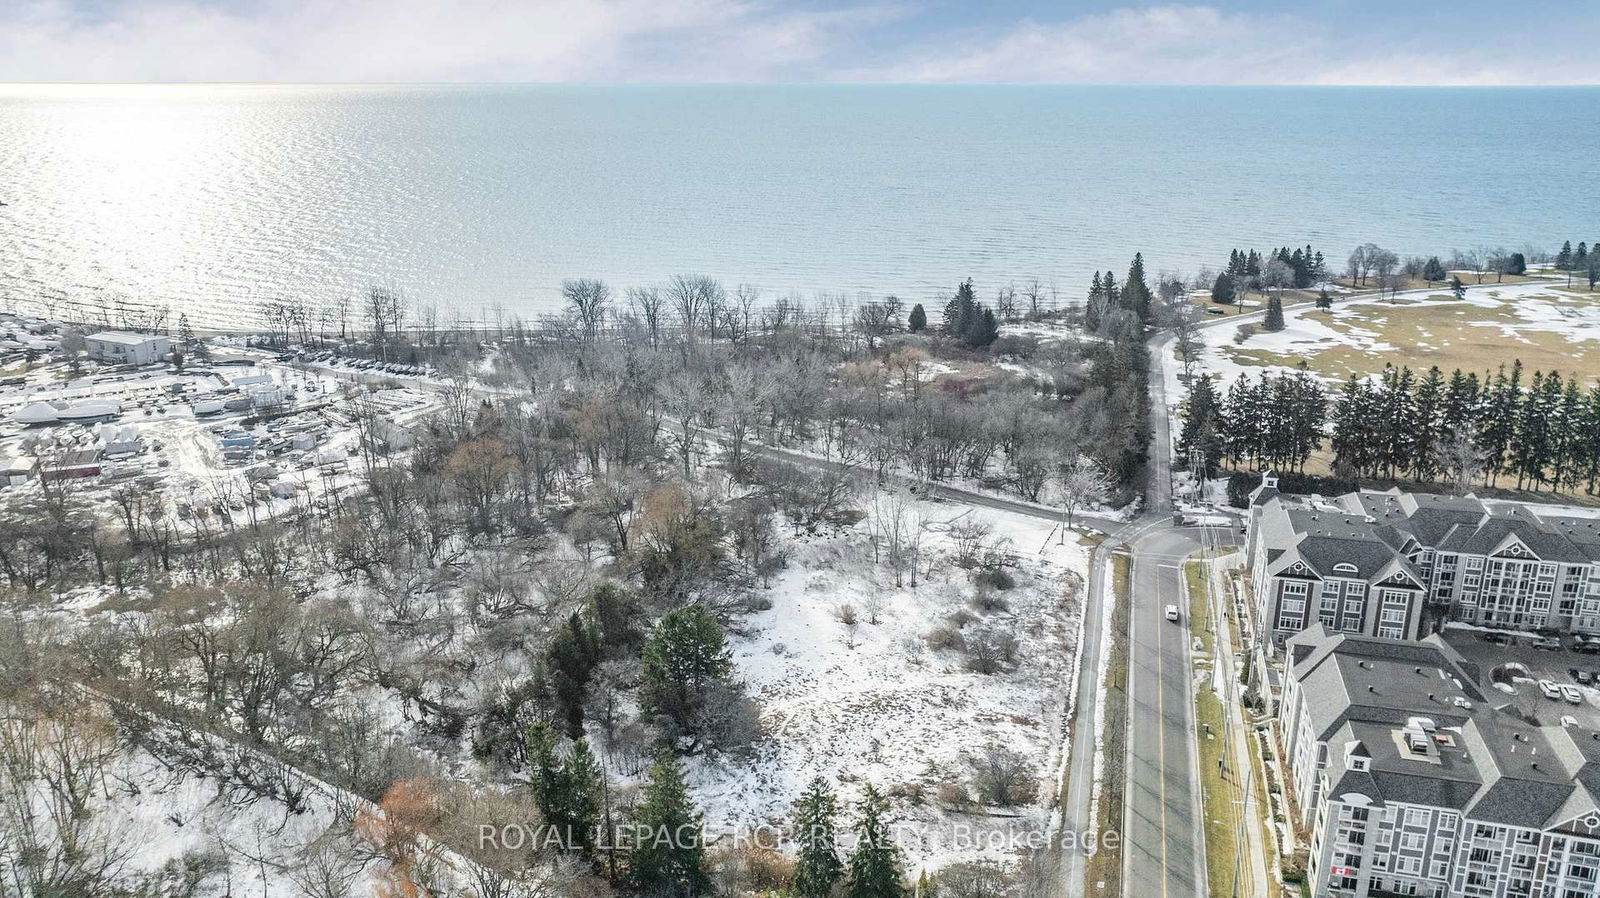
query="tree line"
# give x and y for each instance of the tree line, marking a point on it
(1466, 428)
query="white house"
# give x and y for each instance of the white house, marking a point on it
(125, 348)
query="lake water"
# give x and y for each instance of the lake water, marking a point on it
(212, 199)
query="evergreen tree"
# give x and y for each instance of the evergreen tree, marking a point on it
(1222, 290)
(1567, 454)
(817, 866)
(1564, 258)
(1305, 412)
(985, 329)
(1499, 421)
(917, 320)
(1354, 436)
(1243, 416)
(1518, 264)
(1433, 270)
(1324, 299)
(570, 659)
(684, 654)
(1203, 425)
(616, 619)
(1532, 450)
(1429, 410)
(1590, 429)
(1135, 292)
(960, 311)
(1108, 285)
(1094, 306)
(1274, 320)
(582, 785)
(668, 858)
(544, 770)
(875, 864)
(1460, 403)
(1458, 289)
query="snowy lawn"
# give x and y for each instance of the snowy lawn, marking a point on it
(875, 701)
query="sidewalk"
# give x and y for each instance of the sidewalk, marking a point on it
(1255, 862)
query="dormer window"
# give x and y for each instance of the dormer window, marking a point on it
(1344, 567)
(1358, 764)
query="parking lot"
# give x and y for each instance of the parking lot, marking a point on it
(1562, 666)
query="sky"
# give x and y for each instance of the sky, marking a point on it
(1462, 42)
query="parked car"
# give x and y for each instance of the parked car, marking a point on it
(1583, 677)
(1548, 643)
(1497, 638)
(1172, 612)
(1572, 693)
(1588, 645)
(1550, 689)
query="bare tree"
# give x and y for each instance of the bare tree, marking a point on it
(648, 304)
(1276, 275)
(1005, 302)
(1082, 482)
(1460, 457)
(693, 297)
(872, 322)
(1033, 297)
(587, 300)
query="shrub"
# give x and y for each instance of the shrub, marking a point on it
(1002, 778)
(729, 719)
(988, 651)
(846, 614)
(953, 795)
(997, 578)
(976, 879)
(986, 599)
(944, 638)
(1245, 332)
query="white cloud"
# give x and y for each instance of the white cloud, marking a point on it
(1187, 44)
(416, 40)
(718, 40)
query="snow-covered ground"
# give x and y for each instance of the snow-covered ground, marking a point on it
(1538, 307)
(874, 702)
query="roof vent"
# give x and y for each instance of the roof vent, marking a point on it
(1372, 689)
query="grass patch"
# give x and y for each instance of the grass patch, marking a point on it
(1106, 864)
(1451, 335)
(1222, 819)
(1200, 626)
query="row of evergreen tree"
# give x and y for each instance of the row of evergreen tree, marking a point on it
(1569, 259)
(1105, 295)
(1120, 365)
(1544, 431)
(665, 853)
(1245, 266)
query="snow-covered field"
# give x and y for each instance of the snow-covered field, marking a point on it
(1512, 312)
(875, 702)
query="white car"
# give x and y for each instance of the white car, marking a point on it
(1572, 693)
(1550, 689)
(1172, 612)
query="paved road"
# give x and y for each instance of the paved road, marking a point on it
(1164, 851)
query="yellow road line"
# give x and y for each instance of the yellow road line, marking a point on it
(1161, 737)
